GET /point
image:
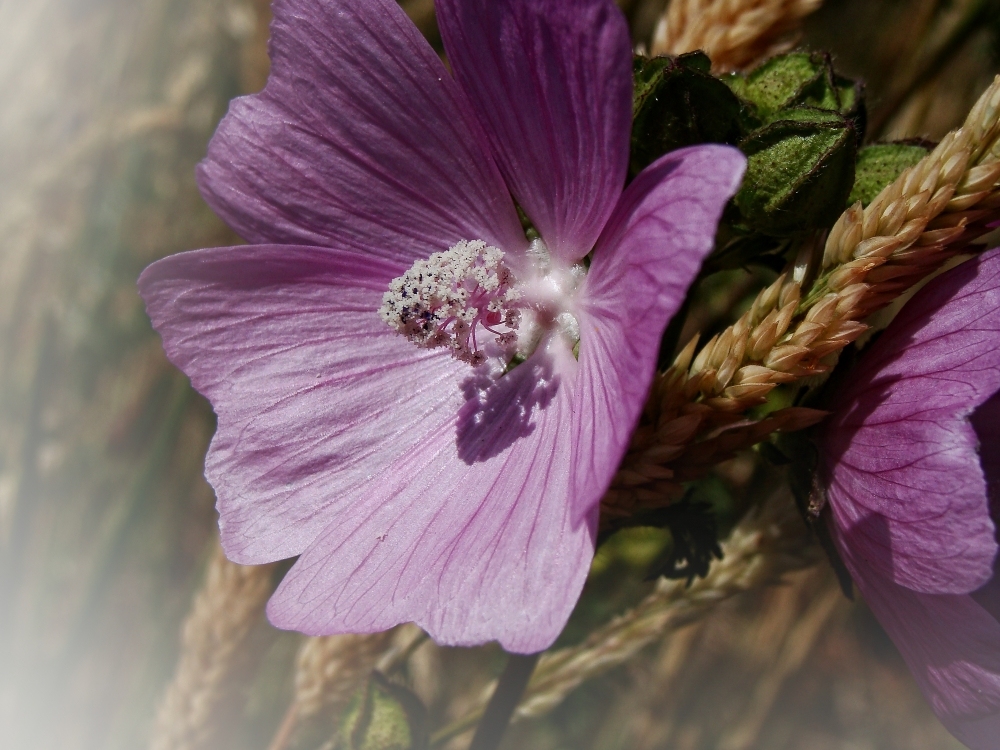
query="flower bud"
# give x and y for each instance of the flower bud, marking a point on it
(800, 172)
(798, 79)
(383, 716)
(676, 103)
(879, 165)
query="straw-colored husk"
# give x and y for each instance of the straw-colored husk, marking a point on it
(229, 604)
(696, 412)
(735, 33)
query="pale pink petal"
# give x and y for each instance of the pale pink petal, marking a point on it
(314, 393)
(951, 644)
(470, 534)
(488, 532)
(552, 84)
(650, 252)
(361, 137)
(903, 472)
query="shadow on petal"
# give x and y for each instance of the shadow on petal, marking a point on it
(500, 411)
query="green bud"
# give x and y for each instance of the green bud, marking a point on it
(383, 716)
(800, 172)
(879, 165)
(677, 103)
(780, 82)
(795, 80)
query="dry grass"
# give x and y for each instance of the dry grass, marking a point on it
(228, 606)
(736, 34)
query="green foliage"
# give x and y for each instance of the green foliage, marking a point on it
(383, 716)
(677, 103)
(879, 165)
(800, 170)
(691, 542)
(798, 122)
(794, 80)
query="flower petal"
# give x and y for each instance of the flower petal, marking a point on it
(470, 534)
(903, 469)
(552, 84)
(650, 252)
(360, 136)
(314, 393)
(951, 644)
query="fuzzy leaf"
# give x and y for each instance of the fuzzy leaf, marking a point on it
(780, 82)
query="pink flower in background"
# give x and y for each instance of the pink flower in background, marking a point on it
(419, 473)
(912, 460)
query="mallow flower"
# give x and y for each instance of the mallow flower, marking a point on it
(415, 398)
(911, 462)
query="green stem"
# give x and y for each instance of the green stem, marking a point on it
(504, 700)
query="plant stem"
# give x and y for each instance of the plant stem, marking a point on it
(504, 700)
(287, 728)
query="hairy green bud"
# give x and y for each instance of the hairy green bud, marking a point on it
(879, 165)
(800, 172)
(795, 80)
(677, 102)
(383, 716)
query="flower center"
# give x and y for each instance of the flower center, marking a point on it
(446, 299)
(468, 299)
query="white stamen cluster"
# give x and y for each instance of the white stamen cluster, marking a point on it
(444, 300)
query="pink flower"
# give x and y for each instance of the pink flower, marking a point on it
(912, 461)
(418, 473)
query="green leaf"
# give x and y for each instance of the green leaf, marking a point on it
(800, 172)
(879, 165)
(677, 103)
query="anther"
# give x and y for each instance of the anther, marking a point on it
(459, 298)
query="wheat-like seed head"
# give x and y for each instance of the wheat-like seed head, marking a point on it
(696, 412)
(228, 605)
(330, 669)
(735, 33)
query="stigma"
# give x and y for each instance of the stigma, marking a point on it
(464, 298)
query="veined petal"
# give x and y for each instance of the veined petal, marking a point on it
(314, 393)
(905, 483)
(552, 84)
(360, 136)
(951, 644)
(470, 534)
(651, 250)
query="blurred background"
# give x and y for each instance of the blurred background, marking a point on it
(106, 524)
